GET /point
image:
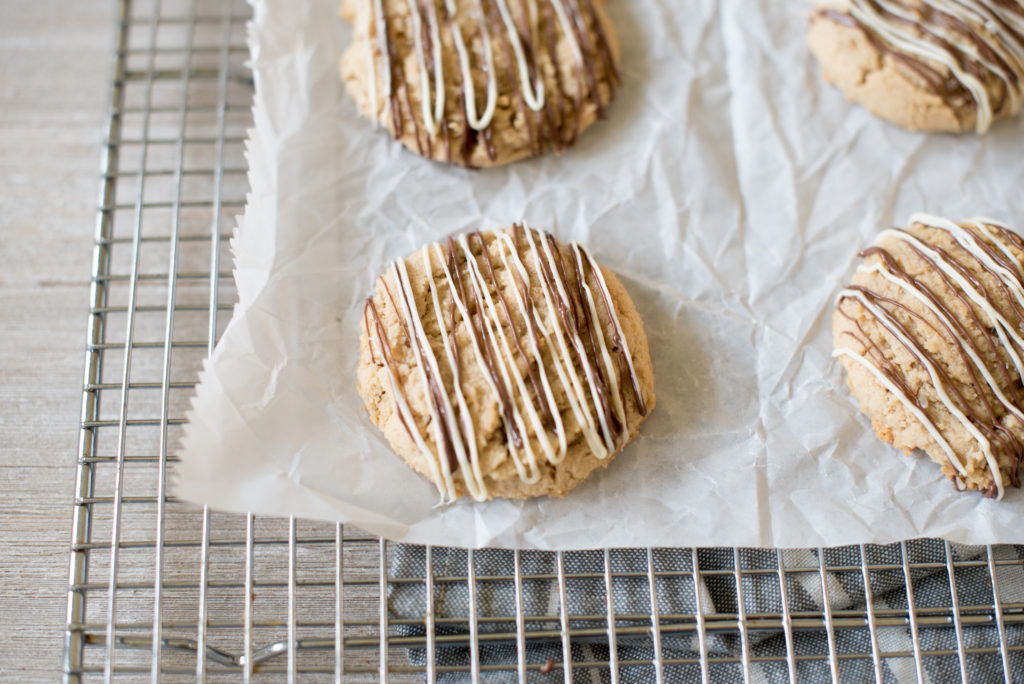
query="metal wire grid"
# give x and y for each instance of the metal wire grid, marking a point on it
(162, 590)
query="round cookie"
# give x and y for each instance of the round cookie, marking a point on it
(481, 83)
(925, 65)
(504, 364)
(931, 334)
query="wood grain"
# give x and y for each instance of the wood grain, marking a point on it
(55, 60)
(54, 69)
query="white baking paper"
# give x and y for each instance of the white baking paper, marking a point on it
(729, 187)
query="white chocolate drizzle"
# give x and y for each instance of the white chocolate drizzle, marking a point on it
(431, 117)
(523, 31)
(987, 246)
(549, 335)
(975, 41)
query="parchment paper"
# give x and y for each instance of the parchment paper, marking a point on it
(729, 187)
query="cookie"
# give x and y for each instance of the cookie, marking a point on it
(926, 65)
(481, 82)
(931, 334)
(504, 364)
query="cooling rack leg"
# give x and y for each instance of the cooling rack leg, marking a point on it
(81, 522)
(517, 578)
(613, 646)
(474, 631)
(428, 580)
(702, 639)
(742, 614)
(787, 618)
(652, 588)
(563, 605)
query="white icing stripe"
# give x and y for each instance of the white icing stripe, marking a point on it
(998, 320)
(423, 349)
(577, 344)
(498, 357)
(887, 322)
(409, 420)
(549, 395)
(613, 388)
(367, 26)
(914, 291)
(467, 463)
(480, 360)
(988, 257)
(567, 31)
(475, 122)
(506, 361)
(385, 57)
(430, 118)
(596, 268)
(517, 262)
(533, 92)
(1002, 326)
(898, 393)
(987, 22)
(970, 244)
(564, 366)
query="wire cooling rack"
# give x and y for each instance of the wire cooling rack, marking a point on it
(162, 590)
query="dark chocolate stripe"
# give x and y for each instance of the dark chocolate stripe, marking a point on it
(435, 385)
(591, 344)
(620, 346)
(556, 124)
(569, 320)
(1004, 443)
(483, 333)
(527, 361)
(483, 308)
(926, 24)
(385, 346)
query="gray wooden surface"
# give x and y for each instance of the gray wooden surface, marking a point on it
(54, 69)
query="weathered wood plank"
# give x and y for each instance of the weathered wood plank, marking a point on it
(54, 68)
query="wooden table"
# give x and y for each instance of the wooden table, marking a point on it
(55, 61)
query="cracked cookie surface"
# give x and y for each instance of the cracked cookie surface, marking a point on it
(504, 364)
(481, 83)
(925, 65)
(931, 334)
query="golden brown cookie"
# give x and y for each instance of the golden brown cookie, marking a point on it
(931, 334)
(481, 82)
(925, 65)
(504, 364)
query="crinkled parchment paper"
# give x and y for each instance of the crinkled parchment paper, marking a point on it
(729, 187)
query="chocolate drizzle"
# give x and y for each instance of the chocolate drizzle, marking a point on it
(987, 337)
(489, 347)
(971, 54)
(515, 45)
(526, 309)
